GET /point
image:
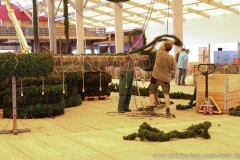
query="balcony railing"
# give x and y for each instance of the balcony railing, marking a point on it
(8, 31)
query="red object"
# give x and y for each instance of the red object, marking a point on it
(205, 110)
(236, 60)
(210, 110)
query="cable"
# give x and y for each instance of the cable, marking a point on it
(168, 15)
(145, 23)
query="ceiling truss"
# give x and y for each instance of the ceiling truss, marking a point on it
(96, 5)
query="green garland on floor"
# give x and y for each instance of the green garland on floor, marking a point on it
(235, 112)
(146, 132)
(144, 92)
(190, 104)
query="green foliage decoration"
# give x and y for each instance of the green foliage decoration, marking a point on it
(136, 31)
(66, 22)
(25, 65)
(149, 47)
(146, 132)
(235, 112)
(35, 25)
(191, 104)
(3, 93)
(92, 84)
(34, 104)
(145, 92)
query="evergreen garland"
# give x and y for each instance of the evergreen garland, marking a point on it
(235, 112)
(66, 23)
(146, 132)
(190, 104)
(25, 65)
(145, 92)
(35, 25)
(135, 31)
(149, 47)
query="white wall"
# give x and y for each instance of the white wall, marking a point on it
(219, 31)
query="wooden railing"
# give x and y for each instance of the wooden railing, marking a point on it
(9, 31)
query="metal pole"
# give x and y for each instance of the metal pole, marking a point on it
(14, 105)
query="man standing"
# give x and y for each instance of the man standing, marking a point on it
(161, 75)
(182, 66)
(177, 71)
(125, 86)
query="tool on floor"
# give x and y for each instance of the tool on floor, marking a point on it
(209, 105)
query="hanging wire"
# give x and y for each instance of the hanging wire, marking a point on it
(168, 14)
(63, 84)
(21, 87)
(145, 23)
(43, 87)
(100, 79)
(83, 90)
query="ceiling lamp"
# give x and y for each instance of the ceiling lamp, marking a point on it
(135, 17)
(185, 8)
(158, 13)
(100, 23)
(220, 1)
(2, 3)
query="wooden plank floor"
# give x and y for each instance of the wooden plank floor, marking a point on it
(88, 132)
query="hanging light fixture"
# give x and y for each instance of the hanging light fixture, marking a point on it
(158, 13)
(100, 23)
(135, 17)
(185, 8)
(2, 3)
(220, 1)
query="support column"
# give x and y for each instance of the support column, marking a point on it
(93, 47)
(119, 42)
(177, 9)
(52, 27)
(79, 26)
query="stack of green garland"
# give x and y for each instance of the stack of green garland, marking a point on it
(40, 92)
(92, 85)
(146, 132)
(235, 112)
(25, 65)
(43, 97)
(2, 90)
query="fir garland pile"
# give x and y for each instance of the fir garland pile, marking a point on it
(3, 87)
(190, 104)
(92, 84)
(146, 132)
(25, 65)
(235, 112)
(145, 92)
(42, 97)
